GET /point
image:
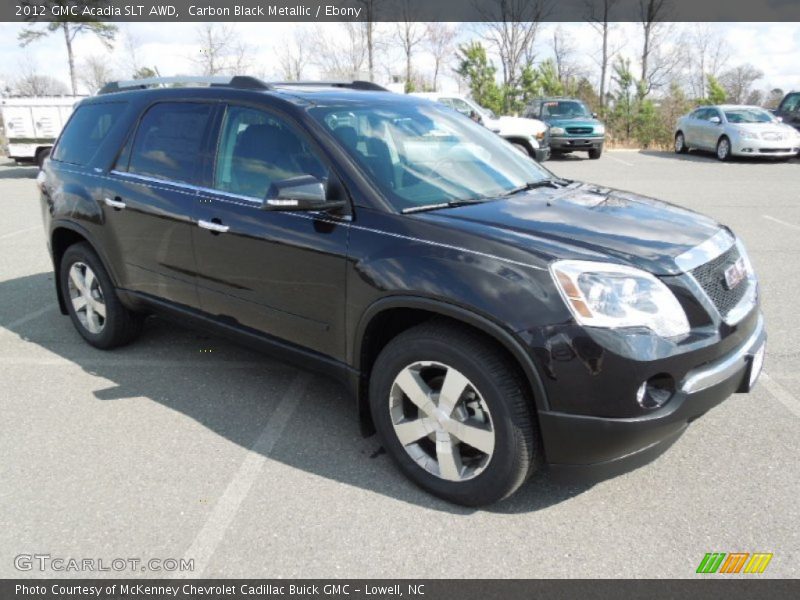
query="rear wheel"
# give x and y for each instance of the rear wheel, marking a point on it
(724, 148)
(680, 144)
(92, 302)
(453, 414)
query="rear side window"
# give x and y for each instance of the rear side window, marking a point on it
(85, 131)
(791, 104)
(168, 143)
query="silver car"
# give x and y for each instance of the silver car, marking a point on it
(731, 130)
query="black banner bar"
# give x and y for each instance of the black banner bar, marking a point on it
(395, 10)
(708, 586)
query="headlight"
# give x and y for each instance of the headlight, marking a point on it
(557, 131)
(608, 295)
(749, 135)
(600, 128)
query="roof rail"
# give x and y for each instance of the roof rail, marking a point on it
(352, 85)
(238, 81)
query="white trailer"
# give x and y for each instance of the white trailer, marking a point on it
(33, 124)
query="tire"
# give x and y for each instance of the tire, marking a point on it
(41, 155)
(119, 326)
(493, 403)
(523, 148)
(680, 143)
(596, 153)
(724, 154)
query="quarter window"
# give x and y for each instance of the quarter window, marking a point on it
(257, 149)
(168, 143)
(86, 130)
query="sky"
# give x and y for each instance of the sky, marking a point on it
(771, 47)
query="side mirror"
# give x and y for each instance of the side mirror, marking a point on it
(305, 192)
(594, 115)
(473, 114)
(715, 120)
(779, 119)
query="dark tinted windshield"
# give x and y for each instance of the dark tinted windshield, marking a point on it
(564, 109)
(422, 154)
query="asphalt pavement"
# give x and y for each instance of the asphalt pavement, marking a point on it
(185, 446)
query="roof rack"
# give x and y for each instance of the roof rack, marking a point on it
(356, 84)
(238, 81)
(242, 82)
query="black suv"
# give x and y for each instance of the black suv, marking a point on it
(789, 110)
(488, 316)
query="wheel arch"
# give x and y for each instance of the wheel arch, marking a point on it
(388, 317)
(63, 235)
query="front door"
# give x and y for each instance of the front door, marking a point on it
(281, 273)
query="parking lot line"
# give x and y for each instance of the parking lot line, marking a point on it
(619, 160)
(781, 394)
(20, 232)
(790, 225)
(209, 537)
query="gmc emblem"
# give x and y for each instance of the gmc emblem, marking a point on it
(735, 273)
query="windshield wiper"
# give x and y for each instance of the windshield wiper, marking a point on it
(450, 204)
(532, 185)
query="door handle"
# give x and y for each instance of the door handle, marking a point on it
(116, 203)
(214, 227)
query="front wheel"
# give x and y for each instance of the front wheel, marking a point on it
(453, 414)
(680, 144)
(596, 153)
(724, 148)
(92, 302)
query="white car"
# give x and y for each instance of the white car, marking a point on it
(528, 135)
(734, 130)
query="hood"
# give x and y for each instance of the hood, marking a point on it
(572, 121)
(762, 128)
(518, 126)
(583, 220)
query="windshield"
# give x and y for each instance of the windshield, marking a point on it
(564, 109)
(424, 154)
(748, 115)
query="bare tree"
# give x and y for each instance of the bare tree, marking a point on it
(511, 30)
(410, 34)
(564, 58)
(738, 83)
(292, 56)
(707, 55)
(370, 33)
(656, 60)
(344, 53)
(95, 73)
(220, 50)
(773, 98)
(599, 17)
(30, 82)
(440, 43)
(70, 29)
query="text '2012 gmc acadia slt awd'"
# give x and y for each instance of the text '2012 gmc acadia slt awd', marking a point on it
(488, 316)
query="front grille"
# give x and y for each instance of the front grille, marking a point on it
(711, 277)
(579, 130)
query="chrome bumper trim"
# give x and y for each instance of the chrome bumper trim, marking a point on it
(714, 373)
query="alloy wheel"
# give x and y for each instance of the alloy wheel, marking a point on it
(86, 296)
(442, 421)
(679, 142)
(723, 149)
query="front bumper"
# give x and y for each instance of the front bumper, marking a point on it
(589, 448)
(568, 142)
(777, 148)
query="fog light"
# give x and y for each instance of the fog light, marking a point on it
(656, 391)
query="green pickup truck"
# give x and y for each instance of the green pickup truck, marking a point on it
(572, 126)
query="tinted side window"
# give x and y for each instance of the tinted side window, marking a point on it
(169, 141)
(257, 149)
(791, 104)
(85, 131)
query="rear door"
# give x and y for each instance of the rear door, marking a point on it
(281, 273)
(692, 128)
(150, 199)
